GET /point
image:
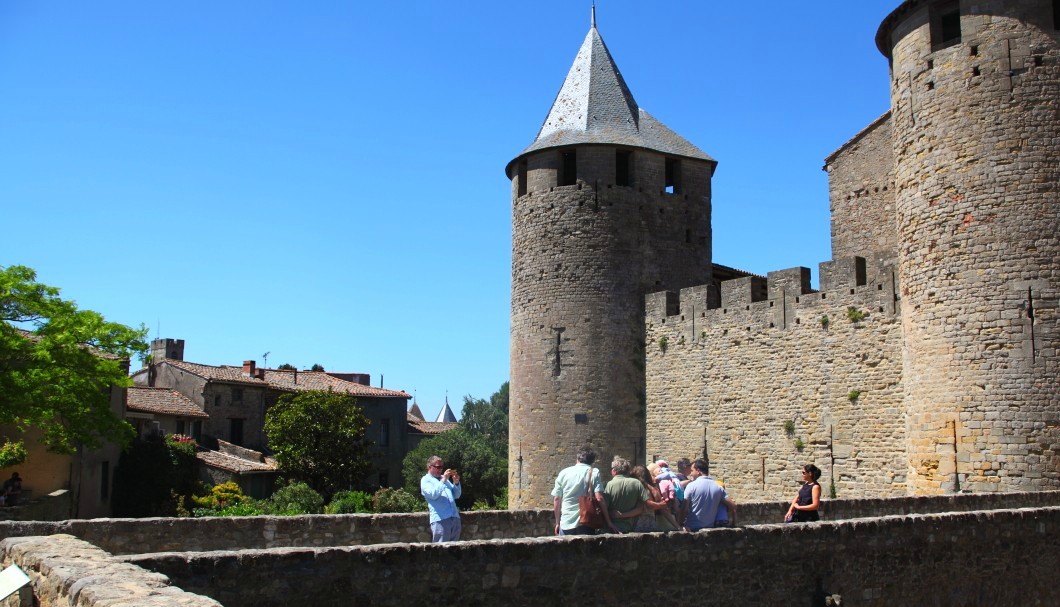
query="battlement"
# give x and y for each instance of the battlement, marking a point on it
(778, 299)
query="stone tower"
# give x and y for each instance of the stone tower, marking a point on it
(608, 204)
(975, 103)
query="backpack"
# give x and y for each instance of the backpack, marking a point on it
(679, 491)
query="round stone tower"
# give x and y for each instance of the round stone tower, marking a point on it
(975, 100)
(608, 204)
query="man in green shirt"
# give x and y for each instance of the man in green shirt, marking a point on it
(625, 495)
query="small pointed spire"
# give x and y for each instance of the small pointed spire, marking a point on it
(592, 21)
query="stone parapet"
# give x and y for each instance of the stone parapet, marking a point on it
(891, 560)
(65, 571)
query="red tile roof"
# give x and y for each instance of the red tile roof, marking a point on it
(231, 463)
(320, 380)
(162, 401)
(224, 373)
(418, 426)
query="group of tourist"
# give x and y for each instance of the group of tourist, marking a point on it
(640, 498)
(655, 498)
(637, 499)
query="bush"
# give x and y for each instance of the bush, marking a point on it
(242, 509)
(350, 502)
(294, 499)
(396, 500)
(220, 496)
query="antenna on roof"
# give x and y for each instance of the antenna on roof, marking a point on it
(265, 358)
(592, 22)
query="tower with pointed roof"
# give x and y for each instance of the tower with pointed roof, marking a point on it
(608, 204)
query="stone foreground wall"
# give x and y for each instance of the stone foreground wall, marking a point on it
(937, 559)
(65, 571)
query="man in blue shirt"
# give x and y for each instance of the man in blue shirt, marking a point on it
(441, 489)
(704, 495)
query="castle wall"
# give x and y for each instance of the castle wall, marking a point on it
(861, 194)
(775, 367)
(977, 138)
(583, 256)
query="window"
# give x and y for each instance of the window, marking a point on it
(384, 433)
(622, 167)
(237, 395)
(945, 25)
(673, 176)
(235, 431)
(568, 174)
(196, 430)
(104, 481)
(522, 178)
(1056, 14)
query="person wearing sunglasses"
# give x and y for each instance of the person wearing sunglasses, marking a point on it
(441, 488)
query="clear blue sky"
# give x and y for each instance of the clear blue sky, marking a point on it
(324, 180)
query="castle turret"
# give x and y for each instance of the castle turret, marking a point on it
(975, 89)
(608, 204)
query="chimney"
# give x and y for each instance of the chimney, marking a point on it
(249, 367)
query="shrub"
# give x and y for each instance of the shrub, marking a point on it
(664, 343)
(853, 395)
(242, 509)
(294, 499)
(799, 445)
(855, 314)
(396, 500)
(13, 454)
(220, 496)
(350, 502)
(789, 427)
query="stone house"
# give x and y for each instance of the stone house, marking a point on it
(234, 401)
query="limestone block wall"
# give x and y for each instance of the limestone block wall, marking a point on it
(936, 559)
(976, 128)
(65, 571)
(583, 257)
(747, 383)
(861, 193)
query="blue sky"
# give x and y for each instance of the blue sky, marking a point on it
(324, 181)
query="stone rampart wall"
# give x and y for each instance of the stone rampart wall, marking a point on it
(764, 386)
(936, 559)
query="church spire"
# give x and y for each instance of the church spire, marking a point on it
(592, 19)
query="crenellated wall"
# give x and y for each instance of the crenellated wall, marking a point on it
(775, 367)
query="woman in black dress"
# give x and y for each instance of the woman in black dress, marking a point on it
(805, 505)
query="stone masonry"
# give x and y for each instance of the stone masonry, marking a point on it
(925, 363)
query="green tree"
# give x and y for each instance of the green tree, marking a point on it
(483, 473)
(287, 367)
(57, 366)
(318, 437)
(317, 367)
(489, 419)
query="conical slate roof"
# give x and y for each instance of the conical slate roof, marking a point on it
(594, 105)
(414, 411)
(446, 414)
